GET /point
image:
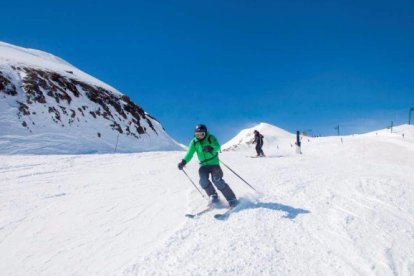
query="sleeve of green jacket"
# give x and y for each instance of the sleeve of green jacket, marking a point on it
(190, 152)
(215, 144)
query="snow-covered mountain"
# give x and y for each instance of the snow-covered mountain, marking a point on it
(50, 106)
(273, 136)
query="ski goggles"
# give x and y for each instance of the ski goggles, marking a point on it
(200, 135)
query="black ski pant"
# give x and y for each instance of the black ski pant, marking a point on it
(259, 150)
(217, 177)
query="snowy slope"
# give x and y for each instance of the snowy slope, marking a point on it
(397, 131)
(344, 207)
(49, 106)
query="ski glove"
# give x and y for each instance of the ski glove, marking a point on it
(181, 164)
(208, 149)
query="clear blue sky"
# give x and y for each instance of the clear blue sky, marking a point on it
(230, 63)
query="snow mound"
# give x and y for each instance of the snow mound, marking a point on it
(273, 135)
(400, 130)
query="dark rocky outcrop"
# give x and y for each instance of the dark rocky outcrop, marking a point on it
(23, 109)
(6, 86)
(55, 93)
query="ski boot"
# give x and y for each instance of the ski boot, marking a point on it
(233, 203)
(213, 199)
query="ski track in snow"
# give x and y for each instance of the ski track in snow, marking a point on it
(338, 209)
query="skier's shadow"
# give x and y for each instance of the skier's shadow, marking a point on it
(291, 212)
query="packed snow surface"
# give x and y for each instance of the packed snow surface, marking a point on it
(343, 207)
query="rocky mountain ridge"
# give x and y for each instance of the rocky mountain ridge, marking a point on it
(62, 100)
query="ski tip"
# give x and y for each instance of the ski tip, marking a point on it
(190, 216)
(220, 216)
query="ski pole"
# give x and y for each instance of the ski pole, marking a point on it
(238, 176)
(195, 186)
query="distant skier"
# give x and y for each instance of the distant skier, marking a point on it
(207, 148)
(258, 140)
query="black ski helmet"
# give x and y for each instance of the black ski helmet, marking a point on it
(200, 128)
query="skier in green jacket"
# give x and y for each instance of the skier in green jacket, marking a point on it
(207, 148)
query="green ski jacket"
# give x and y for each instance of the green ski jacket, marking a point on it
(206, 158)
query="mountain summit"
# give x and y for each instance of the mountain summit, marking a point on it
(49, 106)
(272, 135)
